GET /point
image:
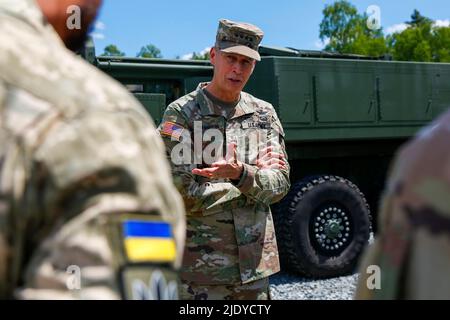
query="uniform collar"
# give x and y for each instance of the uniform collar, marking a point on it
(207, 107)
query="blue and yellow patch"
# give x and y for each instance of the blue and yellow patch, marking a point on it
(148, 241)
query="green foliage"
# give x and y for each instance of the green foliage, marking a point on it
(422, 41)
(441, 44)
(112, 51)
(200, 56)
(149, 51)
(339, 24)
(347, 31)
(417, 19)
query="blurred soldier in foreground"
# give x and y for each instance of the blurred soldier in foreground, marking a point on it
(87, 207)
(412, 251)
(231, 248)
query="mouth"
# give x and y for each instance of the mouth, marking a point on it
(235, 81)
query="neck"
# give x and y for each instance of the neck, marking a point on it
(221, 94)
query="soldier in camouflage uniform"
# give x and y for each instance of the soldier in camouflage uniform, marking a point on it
(412, 251)
(231, 248)
(84, 182)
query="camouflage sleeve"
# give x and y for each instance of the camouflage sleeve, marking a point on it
(371, 259)
(200, 197)
(267, 185)
(96, 198)
(381, 268)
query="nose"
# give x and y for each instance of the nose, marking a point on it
(237, 68)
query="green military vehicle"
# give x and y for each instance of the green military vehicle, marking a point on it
(344, 117)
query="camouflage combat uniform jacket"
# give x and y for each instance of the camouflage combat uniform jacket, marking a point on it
(412, 251)
(230, 231)
(79, 157)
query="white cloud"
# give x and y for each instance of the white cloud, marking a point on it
(206, 50)
(98, 32)
(319, 44)
(442, 23)
(99, 36)
(100, 25)
(189, 56)
(397, 28)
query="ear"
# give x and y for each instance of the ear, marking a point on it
(253, 67)
(212, 54)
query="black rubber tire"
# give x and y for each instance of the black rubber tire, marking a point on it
(298, 250)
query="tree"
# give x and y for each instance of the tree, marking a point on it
(413, 44)
(347, 31)
(417, 19)
(422, 41)
(112, 51)
(441, 44)
(339, 25)
(201, 56)
(149, 51)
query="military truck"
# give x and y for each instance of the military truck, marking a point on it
(344, 117)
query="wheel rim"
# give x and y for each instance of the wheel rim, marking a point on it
(331, 229)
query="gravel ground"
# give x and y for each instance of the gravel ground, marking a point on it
(285, 286)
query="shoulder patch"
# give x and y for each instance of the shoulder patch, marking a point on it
(148, 241)
(144, 282)
(172, 130)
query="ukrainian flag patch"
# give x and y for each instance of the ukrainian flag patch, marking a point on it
(148, 241)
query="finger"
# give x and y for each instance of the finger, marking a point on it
(204, 172)
(231, 152)
(272, 155)
(277, 161)
(270, 161)
(264, 151)
(219, 164)
(201, 173)
(278, 167)
(275, 167)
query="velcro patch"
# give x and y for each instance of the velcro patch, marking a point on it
(149, 282)
(171, 129)
(148, 241)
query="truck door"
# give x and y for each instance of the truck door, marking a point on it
(154, 103)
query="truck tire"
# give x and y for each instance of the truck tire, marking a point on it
(322, 227)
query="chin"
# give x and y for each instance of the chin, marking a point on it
(235, 87)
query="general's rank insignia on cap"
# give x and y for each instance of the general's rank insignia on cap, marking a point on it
(172, 130)
(148, 241)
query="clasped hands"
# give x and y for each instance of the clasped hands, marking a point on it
(231, 167)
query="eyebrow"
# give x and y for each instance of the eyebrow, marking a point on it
(234, 55)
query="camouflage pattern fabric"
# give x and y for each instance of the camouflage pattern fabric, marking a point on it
(257, 290)
(78, 155)
(239, 37)
(413, 247)
(230, 231)
(239, 33)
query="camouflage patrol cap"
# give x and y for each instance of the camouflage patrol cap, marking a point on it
(239, 37)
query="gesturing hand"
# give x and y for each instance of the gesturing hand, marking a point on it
(268, 159)
(228, 168)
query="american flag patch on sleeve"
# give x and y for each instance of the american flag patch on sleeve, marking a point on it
(171, 129)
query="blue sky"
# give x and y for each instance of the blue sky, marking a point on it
(178, 28)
